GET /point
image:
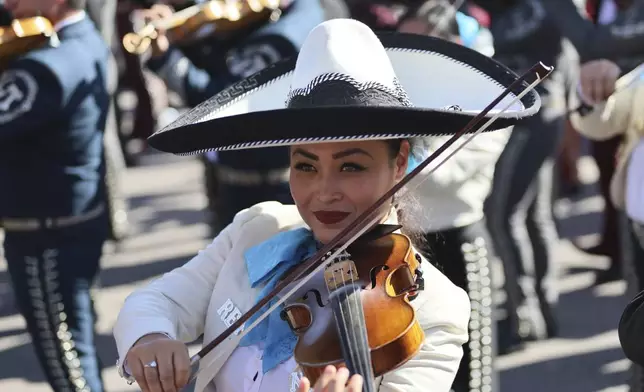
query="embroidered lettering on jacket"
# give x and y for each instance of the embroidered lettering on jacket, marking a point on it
(294, 379)
(229, 313)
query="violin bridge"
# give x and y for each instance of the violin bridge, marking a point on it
(340, 273)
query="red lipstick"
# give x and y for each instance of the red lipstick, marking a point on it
(331, 217)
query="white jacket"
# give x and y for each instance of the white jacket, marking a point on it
(191, 300)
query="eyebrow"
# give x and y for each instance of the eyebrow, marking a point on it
(337, 155)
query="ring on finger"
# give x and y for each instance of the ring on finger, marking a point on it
(151, 364)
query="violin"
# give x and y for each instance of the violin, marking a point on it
(375, 327)
(373, 282)
(218, 16)
(22, 36)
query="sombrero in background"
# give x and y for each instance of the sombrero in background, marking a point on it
(349, 84)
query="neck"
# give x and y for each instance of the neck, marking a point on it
(58, 17)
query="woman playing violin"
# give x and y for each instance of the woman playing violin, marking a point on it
(356, 111)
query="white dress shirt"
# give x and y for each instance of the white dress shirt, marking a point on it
(70, 20)
(243, 373)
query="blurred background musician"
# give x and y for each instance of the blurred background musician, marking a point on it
(616, 105)
(608, 29)
(138, 120)
(103, 14)
(520, 201)
(53, 106)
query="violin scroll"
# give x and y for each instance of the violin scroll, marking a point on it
(139, 43)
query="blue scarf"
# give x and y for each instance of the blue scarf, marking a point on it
(266, 264)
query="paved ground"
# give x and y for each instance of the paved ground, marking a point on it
(167, 207)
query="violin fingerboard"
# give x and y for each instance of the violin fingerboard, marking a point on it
(350, 322)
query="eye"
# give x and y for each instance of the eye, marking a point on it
(352, 167)
(304, 167)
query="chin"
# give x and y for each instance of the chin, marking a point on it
(325, 235)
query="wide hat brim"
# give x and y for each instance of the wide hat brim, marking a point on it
(437, 75)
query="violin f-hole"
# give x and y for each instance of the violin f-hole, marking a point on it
(374, 271)
(318, 297)
(298, 317)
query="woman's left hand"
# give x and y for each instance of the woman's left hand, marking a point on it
(333, 380)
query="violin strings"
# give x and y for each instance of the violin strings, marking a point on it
(335, 285)
(350, 332)
(357, 298)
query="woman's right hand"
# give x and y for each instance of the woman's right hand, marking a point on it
(172, 370)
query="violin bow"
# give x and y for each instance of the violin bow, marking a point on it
(363, 222)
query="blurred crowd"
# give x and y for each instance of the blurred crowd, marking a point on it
(149, 61)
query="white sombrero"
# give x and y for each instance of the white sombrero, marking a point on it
(350, 84)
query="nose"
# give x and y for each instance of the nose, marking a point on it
(327, 189)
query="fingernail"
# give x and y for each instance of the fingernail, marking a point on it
(329, 369)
